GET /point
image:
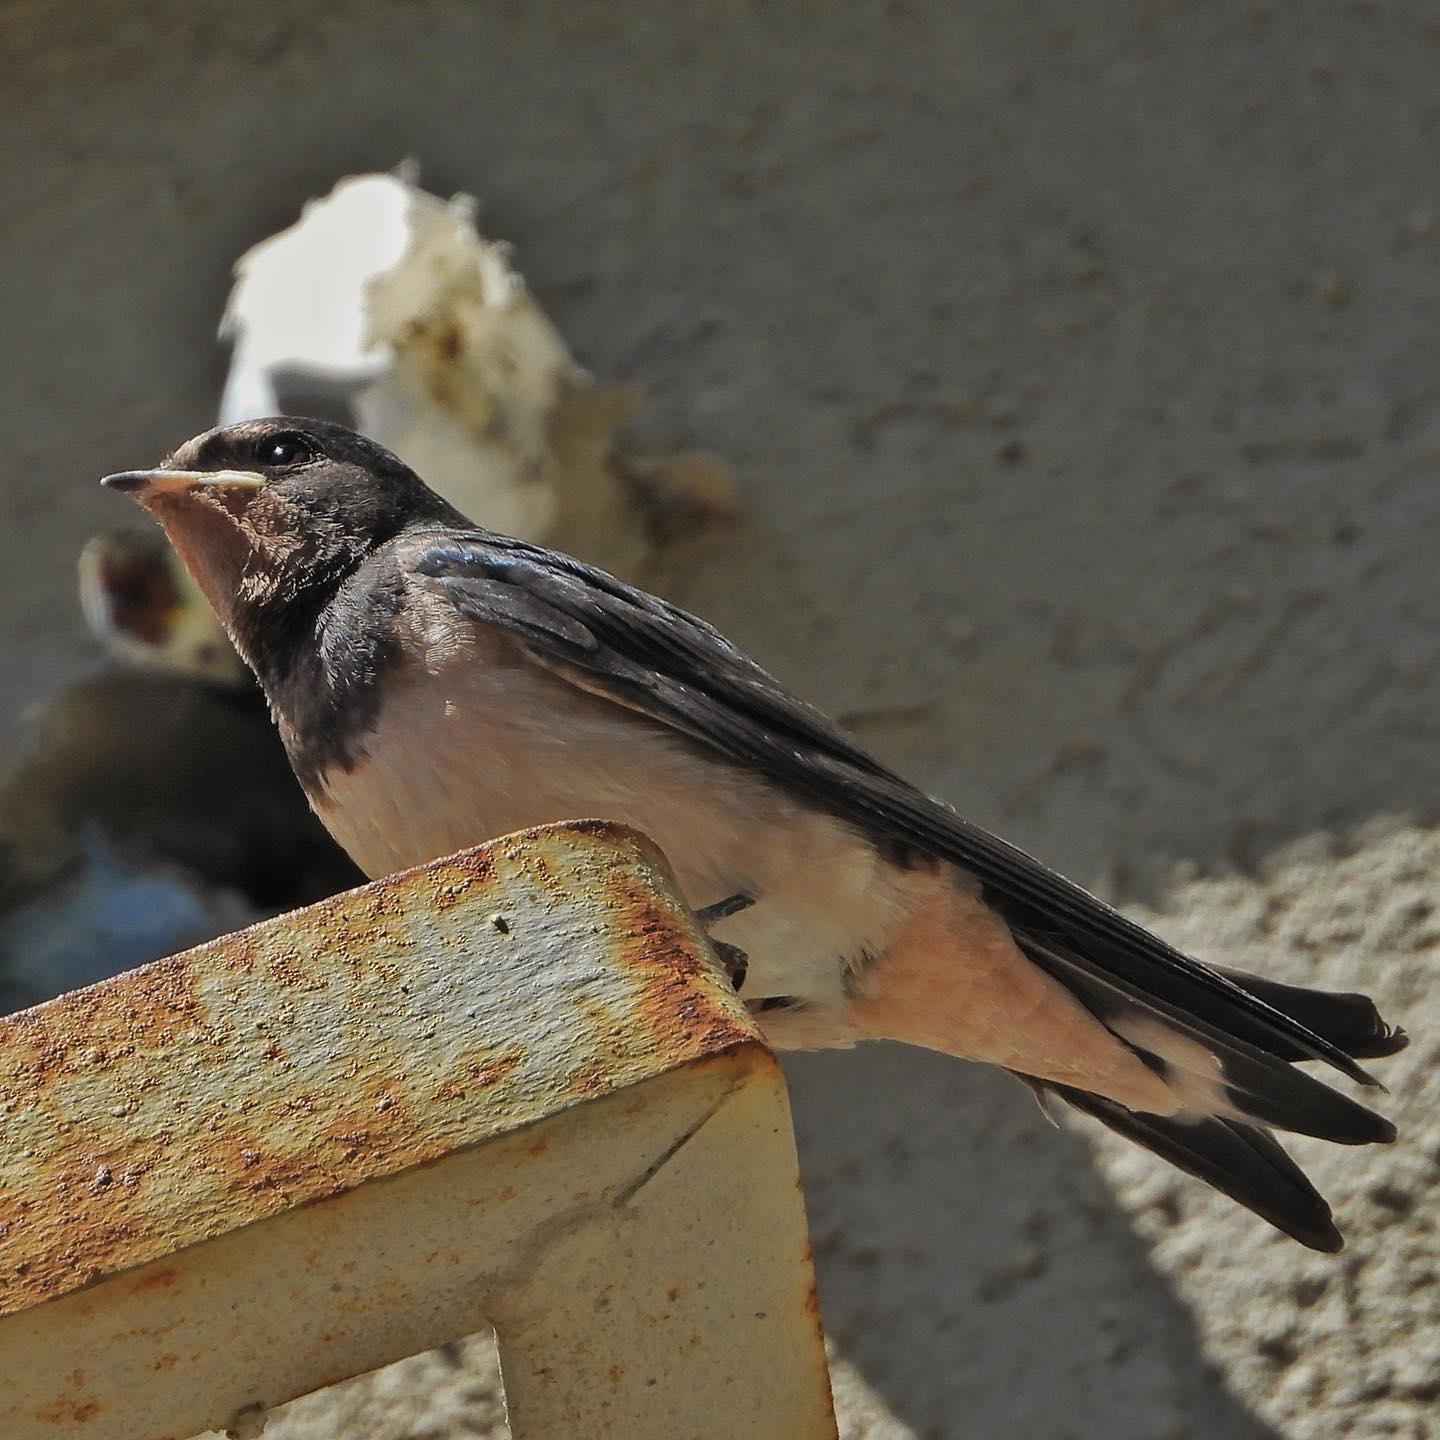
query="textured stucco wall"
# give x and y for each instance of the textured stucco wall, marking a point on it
(1081, 370)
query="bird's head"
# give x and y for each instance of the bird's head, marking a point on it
(269, 513)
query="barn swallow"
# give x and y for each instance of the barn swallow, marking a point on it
(437, 684)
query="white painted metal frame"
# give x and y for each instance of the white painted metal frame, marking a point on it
(511, 1088)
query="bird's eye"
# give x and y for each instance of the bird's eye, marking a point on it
(282, 450)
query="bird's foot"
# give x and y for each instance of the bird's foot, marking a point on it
(735, 961)
(723, 909)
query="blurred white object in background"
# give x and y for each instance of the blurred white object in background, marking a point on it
(296, 314)
(383, 307)
(141, 603)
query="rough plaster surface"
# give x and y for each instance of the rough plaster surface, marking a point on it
(1081, 370)
(1326, 1349)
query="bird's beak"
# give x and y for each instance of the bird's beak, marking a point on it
(147, 485)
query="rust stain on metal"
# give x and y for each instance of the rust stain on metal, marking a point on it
(811, 1304)
(288, 1122)
(663, 951)
(492, 1069)
(70, 1412)
(812, 1293)
(587, 1083)
(93, 1029)
(161, 1279)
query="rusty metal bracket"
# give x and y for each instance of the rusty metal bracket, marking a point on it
(509, 1088)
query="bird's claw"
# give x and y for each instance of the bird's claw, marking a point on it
(735, 961)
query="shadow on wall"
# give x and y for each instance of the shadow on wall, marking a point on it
(141, 814)
(975, 1269)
